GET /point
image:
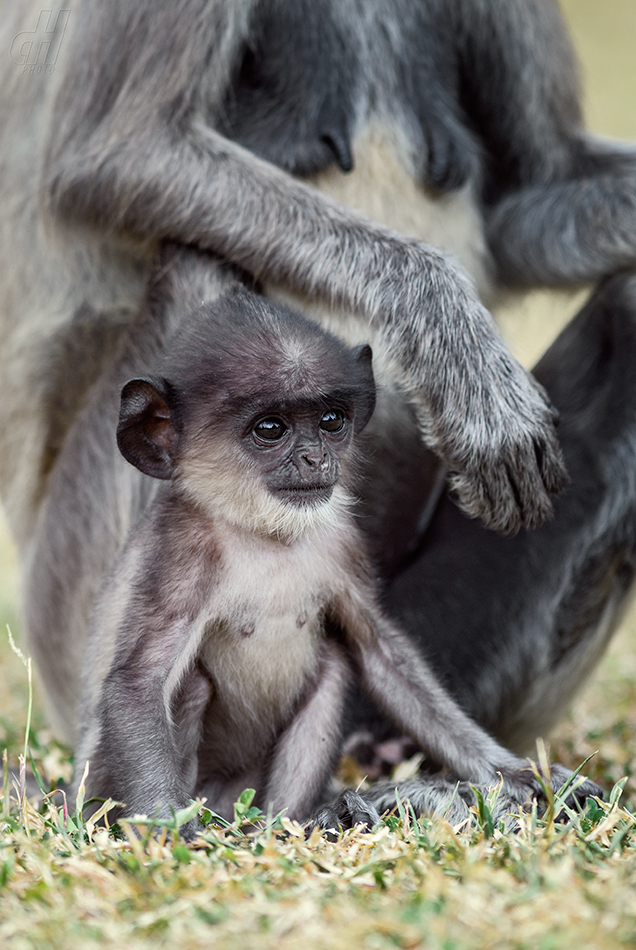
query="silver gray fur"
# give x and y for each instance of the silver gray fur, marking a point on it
(173, 121)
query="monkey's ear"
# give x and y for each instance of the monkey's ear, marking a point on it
(146, 434)
(365, 397)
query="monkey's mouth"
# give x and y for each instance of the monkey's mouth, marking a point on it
(305, 494)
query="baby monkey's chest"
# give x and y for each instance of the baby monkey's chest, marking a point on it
(265, 627)
(263, 637)
(262, 661)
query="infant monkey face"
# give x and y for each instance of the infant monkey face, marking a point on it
(299, 450)
(253, 414)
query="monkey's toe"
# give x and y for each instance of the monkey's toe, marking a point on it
(579, 794)
(525, 787)
(347, 811)
(190, 830)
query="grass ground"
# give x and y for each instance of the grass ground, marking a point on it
(408, 884)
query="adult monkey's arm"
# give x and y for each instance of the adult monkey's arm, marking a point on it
(133, 151)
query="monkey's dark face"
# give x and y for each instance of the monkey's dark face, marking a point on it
(299, 451)
(271, 467)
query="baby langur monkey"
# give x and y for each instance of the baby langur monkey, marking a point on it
(251, 603)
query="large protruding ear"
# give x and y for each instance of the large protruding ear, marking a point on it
(146, 435)
(365, 397)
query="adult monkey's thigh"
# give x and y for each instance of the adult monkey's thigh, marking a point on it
(514, 625)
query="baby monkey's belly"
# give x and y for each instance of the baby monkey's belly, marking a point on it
(260, 669)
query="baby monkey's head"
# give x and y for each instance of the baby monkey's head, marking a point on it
(253, 412)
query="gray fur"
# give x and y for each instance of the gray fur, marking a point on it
(545, 603)
(277, 620)
(149, 126)
(114, 163)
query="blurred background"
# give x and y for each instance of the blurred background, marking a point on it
(604, 716)
(604, 36)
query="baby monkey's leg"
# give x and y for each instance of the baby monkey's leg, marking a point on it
(307, 752)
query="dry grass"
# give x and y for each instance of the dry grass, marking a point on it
(259, 884)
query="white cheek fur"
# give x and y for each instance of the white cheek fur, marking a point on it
(227, 487)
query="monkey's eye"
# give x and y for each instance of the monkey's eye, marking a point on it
(270, 430)
(332, 421)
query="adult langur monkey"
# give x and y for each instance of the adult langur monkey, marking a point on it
(125, 124)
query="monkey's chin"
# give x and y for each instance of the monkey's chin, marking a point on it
(306, 496)
(290, 514)
(287, 521)
(253, 508)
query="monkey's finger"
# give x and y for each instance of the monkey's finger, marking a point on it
(328, 822)
(559, 775)
(551, 466)
(524, 787)
(489, 495)
(531, 495)
(534, 480)
(190, 830)
(354, 810)
(347, 811)
(540, 451)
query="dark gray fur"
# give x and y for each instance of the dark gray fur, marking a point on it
(183, 120)
(546, 602)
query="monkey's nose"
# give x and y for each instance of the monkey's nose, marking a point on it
(313, 459)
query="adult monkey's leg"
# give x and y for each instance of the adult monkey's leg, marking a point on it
(513, 625)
